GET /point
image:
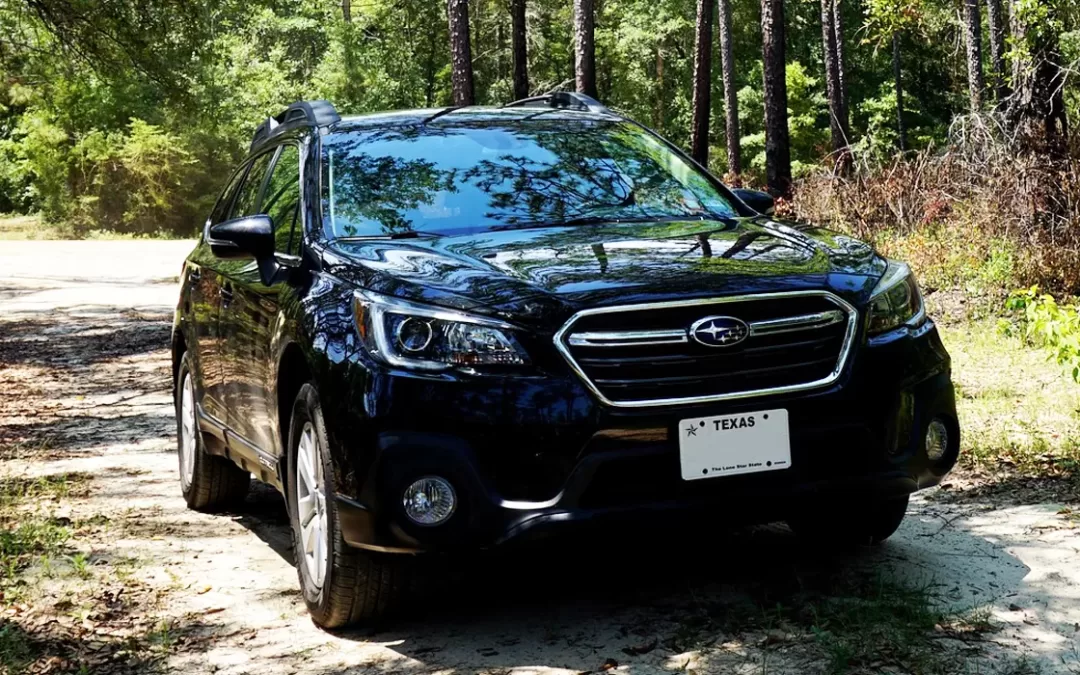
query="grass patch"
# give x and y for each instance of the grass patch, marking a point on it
(15, 650)
(23, 227)
(28, 538)
(1019, 418)
(982, 267)
(35, 540)
(15, 227)
(16, 491)
(1018, 409)
(845, 621)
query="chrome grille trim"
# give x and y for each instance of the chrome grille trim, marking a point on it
(793, 323)
(645, 338)
(628, 338)
(785, 324)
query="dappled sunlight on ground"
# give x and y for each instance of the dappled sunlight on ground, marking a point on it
(86, 393)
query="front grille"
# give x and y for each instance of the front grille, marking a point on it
(644, 355)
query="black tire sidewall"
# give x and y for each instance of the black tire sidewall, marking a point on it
(306, 408)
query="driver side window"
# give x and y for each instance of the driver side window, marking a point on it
(282, 200)
(247, 200)
(221, 209)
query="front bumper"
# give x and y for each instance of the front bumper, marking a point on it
(530, 458)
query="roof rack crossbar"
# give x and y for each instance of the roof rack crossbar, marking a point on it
(569, 100)
(301, 113)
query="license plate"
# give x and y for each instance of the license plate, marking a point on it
(729, 445)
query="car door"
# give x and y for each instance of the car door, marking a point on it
(204, 281)
(252, 315)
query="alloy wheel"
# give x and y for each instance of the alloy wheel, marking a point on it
(188, 442)
(311, 505)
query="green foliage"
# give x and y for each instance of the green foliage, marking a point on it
(807, 107)
(128, 116)
(880, 139)
(1042, 322)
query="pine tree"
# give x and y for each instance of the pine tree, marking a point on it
(901, 128)
(995, 20)
(838, 121)
(519, 48)
(973, 36)
(731, 98)
(702, 95)
(777, 136)
(585, 47)
(461, 75)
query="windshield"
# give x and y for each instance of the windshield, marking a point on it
(445, 179)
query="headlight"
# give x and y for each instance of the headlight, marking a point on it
(411, 335)
(896, 300)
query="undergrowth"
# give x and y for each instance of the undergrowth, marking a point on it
(1043, 322)
(982, 217)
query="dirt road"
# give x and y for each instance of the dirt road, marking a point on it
(145, 584)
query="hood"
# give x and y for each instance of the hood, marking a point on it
(532, 274)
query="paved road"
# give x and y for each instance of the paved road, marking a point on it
(84, 377)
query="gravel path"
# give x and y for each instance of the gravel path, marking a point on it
(84, 387)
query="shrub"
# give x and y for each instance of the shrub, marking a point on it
(1042, 322)
(133, 181)
(980, 212)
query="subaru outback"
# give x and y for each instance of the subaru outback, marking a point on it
(440, 331)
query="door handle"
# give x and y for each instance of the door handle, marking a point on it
(227, 293)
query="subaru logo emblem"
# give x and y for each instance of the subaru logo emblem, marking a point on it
(719, 331)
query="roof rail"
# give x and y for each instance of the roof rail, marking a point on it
(569, 100)
(299, 114)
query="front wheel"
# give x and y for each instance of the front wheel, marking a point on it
(850, 524)
(341, 585)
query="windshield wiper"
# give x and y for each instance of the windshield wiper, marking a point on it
(614, 220)
(408, 234)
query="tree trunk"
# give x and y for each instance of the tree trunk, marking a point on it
(521, 64)
(1039, 80)
(838, 30)
(973, 35)
(430, 70)
(658, 115)
(995, 19)
(702, 97)
(584, 47)
(346, 10)
(461, 76)
(731, 98)
(901, 129)
(777, 141)
(838, 123)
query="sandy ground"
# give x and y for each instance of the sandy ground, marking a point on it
(84, 387)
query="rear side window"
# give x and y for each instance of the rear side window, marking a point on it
(221, 209)
(247, 201)
(282, 199)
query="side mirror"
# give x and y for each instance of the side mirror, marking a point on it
(762, 202)
(248, 237)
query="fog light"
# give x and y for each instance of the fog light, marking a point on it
(429, 501)
(937, 440)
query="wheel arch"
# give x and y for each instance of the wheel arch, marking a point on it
(293, 372)
(179, 348)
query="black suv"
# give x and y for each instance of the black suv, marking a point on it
(445, 330)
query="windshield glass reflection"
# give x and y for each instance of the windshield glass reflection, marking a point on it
(465, 178)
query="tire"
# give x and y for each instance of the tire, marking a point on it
(209, 483)
(341, 585)
(848, 525)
